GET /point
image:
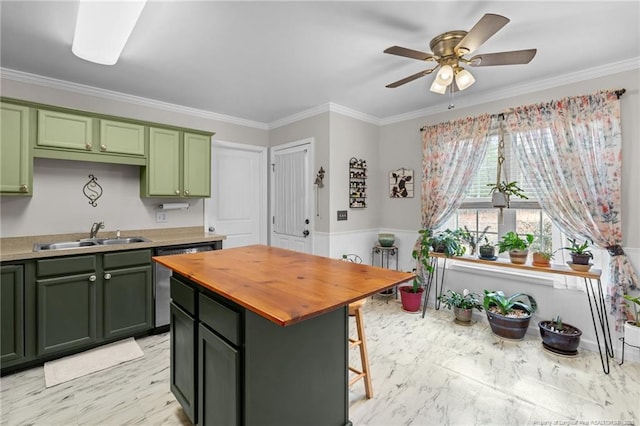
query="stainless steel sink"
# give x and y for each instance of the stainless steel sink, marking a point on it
(64, 245)
(125, 240)
(89, 242)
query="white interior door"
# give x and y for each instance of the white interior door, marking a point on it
(238, 204)
(291, 223)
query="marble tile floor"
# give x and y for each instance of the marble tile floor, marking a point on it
(425, 372)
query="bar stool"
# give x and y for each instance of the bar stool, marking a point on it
(355, 310)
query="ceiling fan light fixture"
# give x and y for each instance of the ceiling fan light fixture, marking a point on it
(437, 87)
(103, 28)
(464, 79)
(445, 75)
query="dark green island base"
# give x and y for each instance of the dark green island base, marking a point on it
(230, 366)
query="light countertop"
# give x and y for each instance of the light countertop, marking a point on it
(21, 248)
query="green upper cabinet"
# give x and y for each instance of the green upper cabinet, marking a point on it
(64, 135)
(122, 138)
(62, 130)
(15, 160)
(178, 165)
(196, 169)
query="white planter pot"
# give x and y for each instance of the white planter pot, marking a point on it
(498, 199)
(631, 334)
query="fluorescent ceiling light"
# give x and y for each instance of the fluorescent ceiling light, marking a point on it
(103, 28)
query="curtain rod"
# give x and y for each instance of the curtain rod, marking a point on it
(618, 93)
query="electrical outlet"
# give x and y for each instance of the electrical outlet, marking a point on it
(161, 217)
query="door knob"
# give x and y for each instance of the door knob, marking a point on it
(107, 276)
(92, 278)
(305, 233)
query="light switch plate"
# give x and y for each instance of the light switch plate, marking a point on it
(161, 217)
(342, 215)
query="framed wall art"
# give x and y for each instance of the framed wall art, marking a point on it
(401, 183)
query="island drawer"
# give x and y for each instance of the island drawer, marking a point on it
(183, 295)
(221, 319)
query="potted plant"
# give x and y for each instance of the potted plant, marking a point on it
(411, 295)
(470, 238)
(462, 304)
(632, 326)
(448, 242)
(509, 317)
(501, 193)
(518, 247)
(487, 250)
(542, 253)
(580, 255)
(560, 337)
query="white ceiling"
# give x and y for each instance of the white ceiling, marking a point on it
(264, 61)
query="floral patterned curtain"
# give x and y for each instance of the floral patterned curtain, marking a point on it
(570, 150)
(451, 155)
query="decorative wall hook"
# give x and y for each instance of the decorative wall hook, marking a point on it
(92, 190)
(319, 178)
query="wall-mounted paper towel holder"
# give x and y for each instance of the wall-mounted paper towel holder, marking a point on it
(173, 206)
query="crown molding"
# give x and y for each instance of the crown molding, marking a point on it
(534, 86)
(82, 89)
(328, 107)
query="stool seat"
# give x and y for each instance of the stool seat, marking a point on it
(355, 310)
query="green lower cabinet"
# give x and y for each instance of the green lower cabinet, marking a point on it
(128, 301)
(67, 313)
(219, 377)
(183, 360)
(12, 313)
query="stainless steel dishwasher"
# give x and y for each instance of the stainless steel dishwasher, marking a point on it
(162, 275)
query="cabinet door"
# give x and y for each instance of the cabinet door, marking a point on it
(15, 162)
(61, 130)
(12, 313)
(67, 312)
(197, 165)
(219, 375)
(128, 301)
(183, 360)
(121, 138)
(163, 163)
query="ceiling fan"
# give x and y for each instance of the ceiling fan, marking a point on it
(449, 50)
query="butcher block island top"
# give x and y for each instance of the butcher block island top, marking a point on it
(281, 285)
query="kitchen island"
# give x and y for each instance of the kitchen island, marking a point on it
(259, 335)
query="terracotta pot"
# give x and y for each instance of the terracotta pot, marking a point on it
(562, 342)
(518, 256)
(540, 260)
(462, 315)
(410, 301)
(509, 328)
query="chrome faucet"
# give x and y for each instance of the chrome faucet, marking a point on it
(95, 228)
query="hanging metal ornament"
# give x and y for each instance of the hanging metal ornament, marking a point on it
(498, 198)
(92, 190)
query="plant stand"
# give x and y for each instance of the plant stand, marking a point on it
(433, 262)
(623, 345)
(385, 253)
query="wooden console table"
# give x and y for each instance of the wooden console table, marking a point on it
(595, 296)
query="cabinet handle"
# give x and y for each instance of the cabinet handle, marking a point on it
(186, 192)
(103, 147)
(24, 188)
(88, 147)
(92, 278)
(107, 276)
(177, 192)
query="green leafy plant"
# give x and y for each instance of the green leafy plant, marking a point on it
(464, 300)
(577, 248)
(542, 246)
(509, 189)
(635, 304)
(511, 241)
(449, 242)
(421, 255)
(557, 323)
(507, 305)
(470, 238)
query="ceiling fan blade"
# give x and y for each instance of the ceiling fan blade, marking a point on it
(408, 79)
(513, 57)
(487, 26)
(408, 53)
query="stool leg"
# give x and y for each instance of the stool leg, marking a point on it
(364, 356)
